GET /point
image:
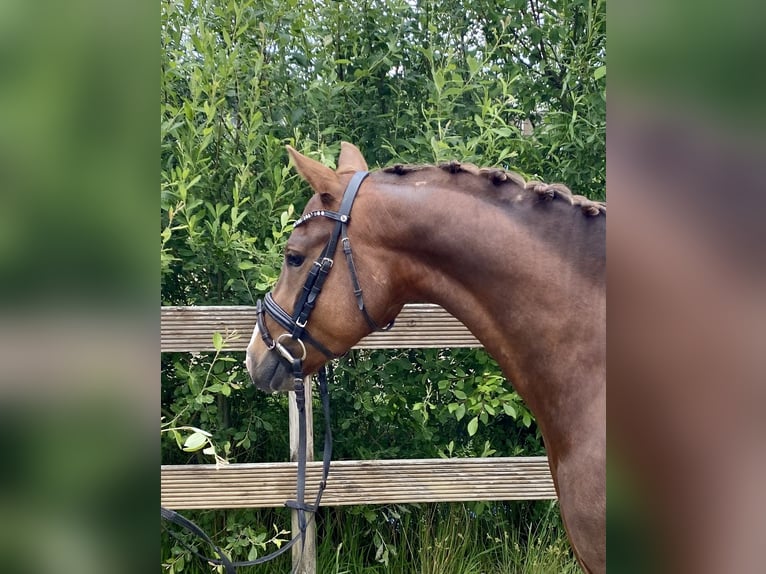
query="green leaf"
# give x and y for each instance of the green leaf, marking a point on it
(600, 72)
(217, 341)
(473, 64)
(460, 412)
(473, 426)
(438, 77)
(194, 442)
(509, 410)
(460, 394)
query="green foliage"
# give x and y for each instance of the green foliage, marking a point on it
(234, 532)
(520, 85)
(412, 539)
(413, 403)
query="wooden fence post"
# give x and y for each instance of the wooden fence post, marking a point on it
(308, 560)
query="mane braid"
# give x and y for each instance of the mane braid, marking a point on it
(401, 169)
(498, 176)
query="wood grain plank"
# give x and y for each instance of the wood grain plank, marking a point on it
(359, 482)
(190, 329)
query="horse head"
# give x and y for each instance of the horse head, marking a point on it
(328, 254)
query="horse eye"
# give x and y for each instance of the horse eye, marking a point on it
(294, 260)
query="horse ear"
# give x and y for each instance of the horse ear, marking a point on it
(351, 158)
(320, 177)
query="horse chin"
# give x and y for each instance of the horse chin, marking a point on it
(272, 374)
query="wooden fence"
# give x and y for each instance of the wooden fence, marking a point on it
(190, 329)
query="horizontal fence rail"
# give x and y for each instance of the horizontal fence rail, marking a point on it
(261, 485)
(190, 329)
(358, 482)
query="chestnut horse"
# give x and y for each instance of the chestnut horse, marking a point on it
(522, 265)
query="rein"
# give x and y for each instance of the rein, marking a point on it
(298, 504)
(295, 325)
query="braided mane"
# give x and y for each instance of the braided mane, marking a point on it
(499, 177)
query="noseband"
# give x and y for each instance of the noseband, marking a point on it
(295, 324)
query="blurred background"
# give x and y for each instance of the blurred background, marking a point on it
(78, 286)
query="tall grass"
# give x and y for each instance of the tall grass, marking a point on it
(517, 538)
(446, 539)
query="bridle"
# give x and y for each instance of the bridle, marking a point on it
(295, 326)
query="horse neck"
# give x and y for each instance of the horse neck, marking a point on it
(511, 271)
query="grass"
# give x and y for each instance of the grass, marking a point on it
(449, 539)
(518, 538)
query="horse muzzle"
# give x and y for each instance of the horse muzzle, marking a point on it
(268, 371)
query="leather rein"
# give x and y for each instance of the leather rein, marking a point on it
(295, 326)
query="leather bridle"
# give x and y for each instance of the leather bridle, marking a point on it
(295, 326)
